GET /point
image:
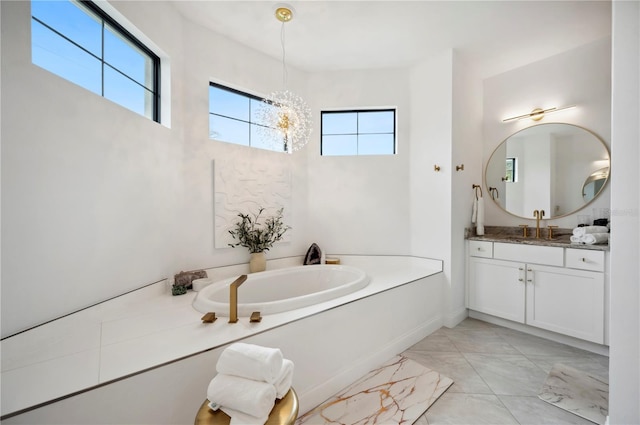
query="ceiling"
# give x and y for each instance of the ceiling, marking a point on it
(336, 35)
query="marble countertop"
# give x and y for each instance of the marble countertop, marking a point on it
(514, 235)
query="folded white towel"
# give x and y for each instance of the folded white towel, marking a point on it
(283, 383)
(239, 418)
(595, 238)
(253, 398)
(251, 361)
(590, 238)
(480, 217)
(581, 231)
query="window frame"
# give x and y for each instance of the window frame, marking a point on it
(250, 97)
(358, 111)
(106, 19)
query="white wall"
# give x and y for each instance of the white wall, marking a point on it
(581, 76)
(624, 366)
(445, 129)
(359, 205)
(97, 200)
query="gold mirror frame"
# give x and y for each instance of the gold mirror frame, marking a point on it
(492, 185)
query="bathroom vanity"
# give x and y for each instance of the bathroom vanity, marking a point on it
(546, 284)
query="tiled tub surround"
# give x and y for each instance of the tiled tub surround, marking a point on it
(551, 288)
(151, 345)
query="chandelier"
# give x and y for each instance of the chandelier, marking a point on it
(285, 116)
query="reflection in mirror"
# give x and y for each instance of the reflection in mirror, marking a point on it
(594, 183)
(556, 167)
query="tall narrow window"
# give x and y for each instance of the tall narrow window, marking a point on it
(234, 118)
(366, 132)
(79, 42)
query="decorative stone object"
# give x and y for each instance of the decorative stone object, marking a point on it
(183, 281)
(313, 255)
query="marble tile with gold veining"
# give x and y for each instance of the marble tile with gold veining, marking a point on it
(398, 392)
(580, 393)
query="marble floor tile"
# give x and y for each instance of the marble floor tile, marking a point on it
(508, 374)
(397, 392)
(465, 409)
(533, 345)
(456, 367)
(533, 411)
(436, 342)
(481, 342)
(592, 363)
(577, 392)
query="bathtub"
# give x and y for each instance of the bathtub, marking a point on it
(118, 351)
(277, 291)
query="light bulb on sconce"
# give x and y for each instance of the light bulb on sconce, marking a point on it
(538, 113)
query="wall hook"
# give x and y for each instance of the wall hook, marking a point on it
(436, 168)
(460, 167)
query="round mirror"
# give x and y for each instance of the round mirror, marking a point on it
(558, 168)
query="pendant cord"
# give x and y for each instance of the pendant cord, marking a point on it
(284, 66)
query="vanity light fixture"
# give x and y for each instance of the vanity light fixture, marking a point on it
(286, 117)
(538, 113)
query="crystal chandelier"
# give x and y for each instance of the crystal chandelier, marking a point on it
(286, 116)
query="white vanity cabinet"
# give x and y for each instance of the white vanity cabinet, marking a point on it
(553, 288)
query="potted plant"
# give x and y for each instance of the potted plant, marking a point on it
(258, 237)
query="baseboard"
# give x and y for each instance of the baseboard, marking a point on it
(318, 394)
(452, 320)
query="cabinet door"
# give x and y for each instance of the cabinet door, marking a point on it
(566, 301)
(497, 288)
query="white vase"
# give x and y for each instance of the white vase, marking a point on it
(258, 262)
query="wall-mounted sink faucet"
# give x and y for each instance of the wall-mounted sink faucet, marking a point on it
(538, 215)
(233, 298)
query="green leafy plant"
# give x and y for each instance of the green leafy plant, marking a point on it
(250, 233)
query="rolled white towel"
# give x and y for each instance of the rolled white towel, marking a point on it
(283, 383)
(595, 238)
(576, 239)
(239, 418)
(251, 361)
(581, 231)
(254, 398)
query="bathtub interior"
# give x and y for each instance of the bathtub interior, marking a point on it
(283, 289)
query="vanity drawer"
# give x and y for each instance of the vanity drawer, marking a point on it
(549, 255)
(585, 259)
(481, 249)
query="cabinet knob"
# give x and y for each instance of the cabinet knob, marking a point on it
(521, 268)
(479, 249)
(520, 280)
(529, 280)
(584, 260)
(529, 270)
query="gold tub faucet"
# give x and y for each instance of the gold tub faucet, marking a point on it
(233, 298)
(538, 215)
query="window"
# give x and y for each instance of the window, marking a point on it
(366, 132)
(234, 117)
(77, 41)
(510, 175)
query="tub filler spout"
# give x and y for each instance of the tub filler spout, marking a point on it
(233, 298)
